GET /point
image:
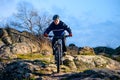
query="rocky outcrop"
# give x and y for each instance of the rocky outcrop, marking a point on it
(96, 74)
(86, 51)
(82, 62)
(5, 36)
(16, 42)
(19, 70)
(72, 49)
(34, 69)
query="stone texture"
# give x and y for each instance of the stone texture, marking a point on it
(16, 42)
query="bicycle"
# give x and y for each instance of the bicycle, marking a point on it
(58, 50)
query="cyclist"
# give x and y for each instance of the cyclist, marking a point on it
(58, 27)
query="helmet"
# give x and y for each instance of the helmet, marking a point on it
(55, 17)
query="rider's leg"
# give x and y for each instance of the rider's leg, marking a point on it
(53, 42)
(64, 46)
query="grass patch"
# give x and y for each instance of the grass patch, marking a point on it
(36, 56)
(31, 56)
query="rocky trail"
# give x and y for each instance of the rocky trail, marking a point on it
(55, 76)
(95, 74)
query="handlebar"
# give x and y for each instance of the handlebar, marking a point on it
(58, 36)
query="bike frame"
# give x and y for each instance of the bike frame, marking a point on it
(58, 51)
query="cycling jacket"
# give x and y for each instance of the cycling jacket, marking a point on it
(58, 30)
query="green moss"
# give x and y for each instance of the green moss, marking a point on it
(36, 56)
(30, 56)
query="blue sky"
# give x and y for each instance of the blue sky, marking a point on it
(93, 22)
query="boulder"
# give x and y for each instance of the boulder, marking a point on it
(72, 49)
(89, 62)
(6, 53)
(69, 61)
(83, 62)
(5, 37)
(20, 70)
(95, 74)
(86, 51)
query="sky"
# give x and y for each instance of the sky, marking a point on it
(93, 22)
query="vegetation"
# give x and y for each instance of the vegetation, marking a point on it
(36, 56)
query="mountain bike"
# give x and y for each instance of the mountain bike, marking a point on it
(57, 47)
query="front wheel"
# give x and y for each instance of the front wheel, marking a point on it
(57, 60)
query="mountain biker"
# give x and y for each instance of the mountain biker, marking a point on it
(58, 27)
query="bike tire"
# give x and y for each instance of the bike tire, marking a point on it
(57, 59)
(58, 56)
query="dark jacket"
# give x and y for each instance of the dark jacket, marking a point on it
(59, 29)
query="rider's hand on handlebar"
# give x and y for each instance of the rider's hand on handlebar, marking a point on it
(70, 34)
(46, 35)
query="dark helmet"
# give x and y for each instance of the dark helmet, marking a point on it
(55, 17)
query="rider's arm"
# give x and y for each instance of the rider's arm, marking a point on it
(67, 28)
(47, 31)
